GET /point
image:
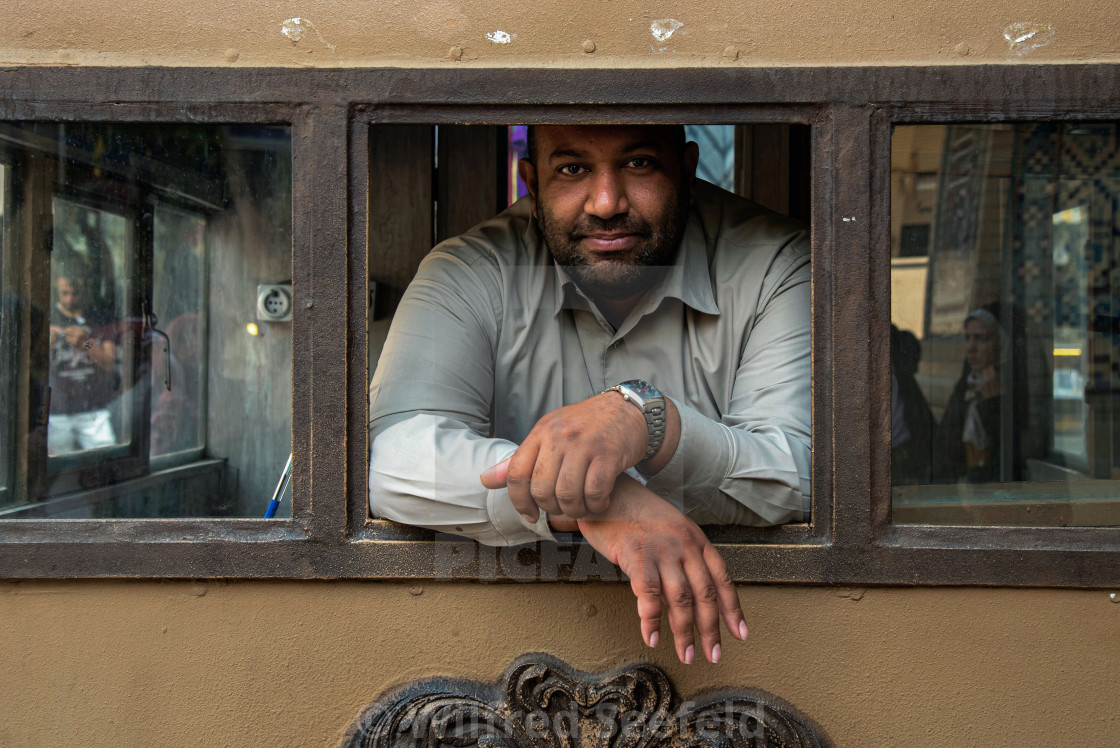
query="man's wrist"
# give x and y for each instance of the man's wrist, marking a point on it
(562, 523)
(635, 418)
(650, 403)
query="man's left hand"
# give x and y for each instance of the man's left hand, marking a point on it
(671, 564)
(569, 461)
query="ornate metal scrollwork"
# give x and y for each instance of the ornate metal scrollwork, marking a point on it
(541, 702)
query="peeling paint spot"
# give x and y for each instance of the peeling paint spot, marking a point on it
(849, 593)
(961, 50)
(297, 28)
(500, 37)
(1026, 36)
(294, 29)
(664, 28)
(455, 53)
(731, 52)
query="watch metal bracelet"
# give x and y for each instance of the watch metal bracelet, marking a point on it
(651, 402)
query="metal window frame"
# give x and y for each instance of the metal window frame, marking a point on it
(850, 110)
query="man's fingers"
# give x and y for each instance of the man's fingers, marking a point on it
(679, 598)
(598, 485)
(569, 485)
(542, 483)
(727, 595)
(519, 472)
(646, 585)
(494, 476)
(705, 600)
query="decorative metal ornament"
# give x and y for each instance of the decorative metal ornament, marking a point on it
(541, 702)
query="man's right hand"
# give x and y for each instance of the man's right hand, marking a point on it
(669, 561)
(569, 461)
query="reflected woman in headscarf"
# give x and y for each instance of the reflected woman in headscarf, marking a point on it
(969, 447)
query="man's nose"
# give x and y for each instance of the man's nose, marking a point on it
(608, 195)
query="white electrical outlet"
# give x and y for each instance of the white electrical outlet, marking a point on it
(274, 302)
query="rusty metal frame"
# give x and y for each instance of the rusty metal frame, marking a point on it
(850, 111)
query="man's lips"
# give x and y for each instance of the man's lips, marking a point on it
(610, 241)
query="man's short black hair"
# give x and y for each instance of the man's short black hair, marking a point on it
(531, 140)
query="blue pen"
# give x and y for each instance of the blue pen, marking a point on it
(280, 488)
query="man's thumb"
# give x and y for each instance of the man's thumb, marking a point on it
(495, 475)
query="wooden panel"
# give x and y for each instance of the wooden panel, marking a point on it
(471, 179)
(400, 202)
(772, 167)
(35, 240)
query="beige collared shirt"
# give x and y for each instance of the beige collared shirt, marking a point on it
(491, 335)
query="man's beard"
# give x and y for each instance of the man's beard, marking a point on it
(617, 279)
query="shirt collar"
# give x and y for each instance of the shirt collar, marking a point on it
(688, 279)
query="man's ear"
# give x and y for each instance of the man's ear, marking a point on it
(528, 174)
(691, 159)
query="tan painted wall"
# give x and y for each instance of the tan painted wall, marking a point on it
(714, 32)
(291, 664)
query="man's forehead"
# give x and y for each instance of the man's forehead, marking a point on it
(569, 139)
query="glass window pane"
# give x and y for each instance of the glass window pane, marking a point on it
(179, 362)
(146, 376)
(1004, 348)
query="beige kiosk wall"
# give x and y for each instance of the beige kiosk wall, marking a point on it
(573, 33)
(275, 663)
(290, 664)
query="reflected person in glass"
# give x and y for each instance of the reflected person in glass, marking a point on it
(83, 367)
(969, 436)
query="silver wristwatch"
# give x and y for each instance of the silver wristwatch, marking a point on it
(652, 404)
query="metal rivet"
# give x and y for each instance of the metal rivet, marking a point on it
(1114, 597)
(588, 46)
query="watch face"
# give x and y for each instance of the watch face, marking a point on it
(643, 389)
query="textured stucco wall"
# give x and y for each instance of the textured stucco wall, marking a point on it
(391, 32)
(290, 664)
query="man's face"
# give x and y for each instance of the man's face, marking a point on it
(69, 295)
(611, 202)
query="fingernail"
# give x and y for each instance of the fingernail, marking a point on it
(742, 629)
(716, 654)
(653, 639)
(528, 519)
(689, 654)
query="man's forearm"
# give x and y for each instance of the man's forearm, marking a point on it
(424, 471)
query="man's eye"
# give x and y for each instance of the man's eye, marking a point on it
(571, 170)
(639, 162)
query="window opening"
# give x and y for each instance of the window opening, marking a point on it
(474, 180)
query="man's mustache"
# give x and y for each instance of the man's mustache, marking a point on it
(628, 224)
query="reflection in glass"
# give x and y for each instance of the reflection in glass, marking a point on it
(141, 378)
(1005, 364)
(179, 363)
(91, 297)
